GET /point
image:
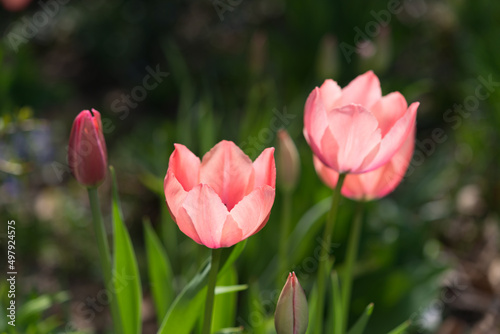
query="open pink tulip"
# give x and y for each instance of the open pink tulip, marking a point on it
(87, 155)
(356, 129)
(375, 184)
(223, 199)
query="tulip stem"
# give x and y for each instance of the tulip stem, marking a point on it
(324, 255)
(352, 253)
(212, 280)
(285, 231)
(104, 255)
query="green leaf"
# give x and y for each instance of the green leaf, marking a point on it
(186, 308)
(126, 279)
(152, 182)
(233, 255)
(224, 313)
(233, 330)
(313, 300)
(401, 328)
(160, 272)
(360, 325)
(307, 227)
(36, 306)
(221, 290)
(337, 304)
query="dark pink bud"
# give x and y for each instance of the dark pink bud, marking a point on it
(87, 156)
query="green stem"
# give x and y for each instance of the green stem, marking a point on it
(352, 253)
(285, 232)
(212, 280)
(104, 255)
(324, 256)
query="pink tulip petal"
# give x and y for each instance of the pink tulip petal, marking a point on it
(385, 179)
(174, 193)
(204, 210)
(253, 210)
(186, 225)
(185, 166)
(388, 110)
(356, 133)
(394, 139)
(315, 120)
(328, 175)
(375, 184)
(228, 171)
(231, 233)
(330, 94)
(329, 150)
(354, 188)
(264, 222)
(98, 125)
(364, 90)
(93, 165)
(265, 169)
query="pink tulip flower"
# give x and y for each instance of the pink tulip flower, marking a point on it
(356, 129)
(375, 184)
(223, 199)
(87, 155)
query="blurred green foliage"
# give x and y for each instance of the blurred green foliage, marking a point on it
(239, 74)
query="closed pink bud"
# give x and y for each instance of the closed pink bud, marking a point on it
(375, 184)
(292, 314)
(356, 129)
(223, 199)
(288, 161)
(87, 155)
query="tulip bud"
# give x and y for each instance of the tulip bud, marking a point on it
(292, 314)
(87, 155)
(288, 161)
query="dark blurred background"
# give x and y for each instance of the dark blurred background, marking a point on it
(196, 72)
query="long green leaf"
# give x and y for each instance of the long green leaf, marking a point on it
(312, 301)
(401, 328)
(186, 308)
(160, 272)
(360, 325)
(224, 289)
(224, 313)
(234, 330)
(126, 279)
(337, 304)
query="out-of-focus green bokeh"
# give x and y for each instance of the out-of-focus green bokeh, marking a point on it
(197, 72)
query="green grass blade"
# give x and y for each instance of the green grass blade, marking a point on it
(337, 315)
(224, 314)
(126, 279)
(401, 328)
(233, 330)
(160, 272)
(360, 325)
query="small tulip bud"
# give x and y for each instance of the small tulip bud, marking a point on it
(288, 161)
(292, 314)
(87, 155)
